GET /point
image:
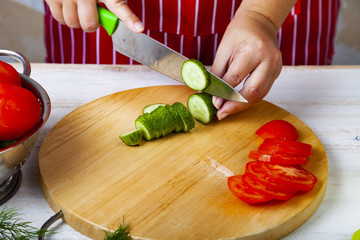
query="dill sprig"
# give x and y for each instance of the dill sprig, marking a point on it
(122, 233)
(12, 227)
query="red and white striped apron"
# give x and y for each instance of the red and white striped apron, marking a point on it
(194, 28)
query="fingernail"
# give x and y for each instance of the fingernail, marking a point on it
(139, 26)
(222, 116)
(218, 102)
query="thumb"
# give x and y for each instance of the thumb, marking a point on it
(125, 14)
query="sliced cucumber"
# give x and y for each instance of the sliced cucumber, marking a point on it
(165, 119)
(201, 107)
(195, 75)
(155, 124)
(179, 124)
(152, 107)
(147, 126)
(185, 115)
(132, 138)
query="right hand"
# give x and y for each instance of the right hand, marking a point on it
(83, 13)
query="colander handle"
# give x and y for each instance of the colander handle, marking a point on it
(48, 223)
(18, 57)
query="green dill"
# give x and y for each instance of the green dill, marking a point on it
(122, 233)
(12, 227)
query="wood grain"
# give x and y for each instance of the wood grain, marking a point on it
(166, 188)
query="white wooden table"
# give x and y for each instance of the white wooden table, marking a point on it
(327, 99)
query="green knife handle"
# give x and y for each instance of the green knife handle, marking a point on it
(108, 20)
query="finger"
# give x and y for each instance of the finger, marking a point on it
(255, 88)
(122, 11)
(71, 14)
(56, 10)
(237, 70)
(88, 16)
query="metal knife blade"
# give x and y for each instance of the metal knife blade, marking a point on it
(159, 57)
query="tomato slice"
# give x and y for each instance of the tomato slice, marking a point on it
(297, 177)
(8, 74)
(274, 145)
(281, 158)
(266, 189)
(278, 129)
(258, 170)
(244, 192)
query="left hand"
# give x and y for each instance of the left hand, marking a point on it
(249, 47)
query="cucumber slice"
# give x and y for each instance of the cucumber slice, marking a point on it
(201, 107)
(164, 119)
(185, 115)
(147, 126)
(132, 138)
(179, 124)
(156, 126)
(195, 75)
(152, 107)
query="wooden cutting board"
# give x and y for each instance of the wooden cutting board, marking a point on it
(170, 188)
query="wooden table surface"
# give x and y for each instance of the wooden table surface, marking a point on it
(326, 99)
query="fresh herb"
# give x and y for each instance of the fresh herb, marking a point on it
(11, 226)
(122, 233)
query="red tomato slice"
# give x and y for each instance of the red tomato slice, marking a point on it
(266, 189)
(274, 145)
(281, 158)
(245, 193)
(258, 170)
(278, 129)
(295, 176)
(8, 74)
(19, 111)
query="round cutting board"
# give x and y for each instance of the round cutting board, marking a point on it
(169, 188)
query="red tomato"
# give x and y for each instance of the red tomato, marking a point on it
(278, 129)
(258, 170)
(274, 145)
(281, 158)
(19, 111)
(266, 189)
(8, 74)
(286, 177)
(244, 192)
(295, 176)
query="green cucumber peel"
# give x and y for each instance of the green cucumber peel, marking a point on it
(132, 138)
(185, 115)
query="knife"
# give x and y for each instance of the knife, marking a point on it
(156, 55)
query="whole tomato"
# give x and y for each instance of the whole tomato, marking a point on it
(8, 74)
(19, 111)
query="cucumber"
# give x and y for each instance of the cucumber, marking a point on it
(185, 115)
(179, 124)
(195, 75)
(158, 121)
(152, 107)
(147, 126)
(201, 107)
(132, 138)
(164, 119)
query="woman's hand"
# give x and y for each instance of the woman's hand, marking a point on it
(83, 13)
(248, 49)
(249, 52)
